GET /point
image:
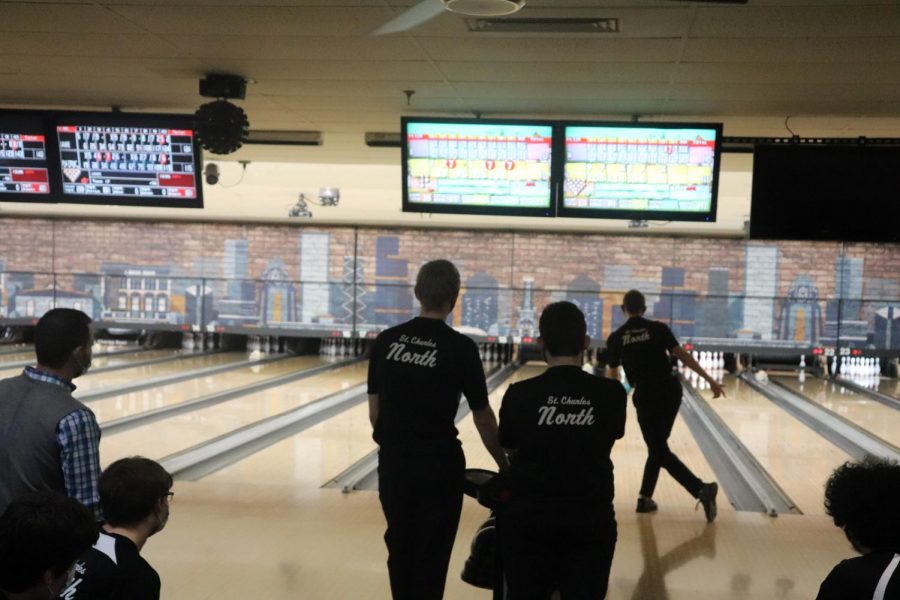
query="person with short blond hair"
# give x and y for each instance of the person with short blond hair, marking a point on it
(417, 371)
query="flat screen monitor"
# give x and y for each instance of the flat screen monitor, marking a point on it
(477, 166)
(24, 168)
(128, 159)
(664, 171)
(845, 192)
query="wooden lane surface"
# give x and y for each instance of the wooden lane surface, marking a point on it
(162, 438)
(233, 534)
(260, 525)
(95, 381)
(857, 408)
(300, 464)
(98, 361)
(889, 386)
(17, 357)
(798, 458)
(132, 403)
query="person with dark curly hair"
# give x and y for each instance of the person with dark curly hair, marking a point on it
(863, 499)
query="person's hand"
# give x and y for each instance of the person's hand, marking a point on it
(716, 388)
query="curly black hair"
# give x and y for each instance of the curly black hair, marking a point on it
(863, 498)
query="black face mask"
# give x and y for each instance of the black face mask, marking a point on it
(83, 368)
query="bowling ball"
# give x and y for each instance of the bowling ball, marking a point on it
(495, 492)
(480, 569)
(474, 479)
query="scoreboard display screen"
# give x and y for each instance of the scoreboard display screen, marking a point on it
(641, 171)
(129, 159)
(475, 166)
(24, 172)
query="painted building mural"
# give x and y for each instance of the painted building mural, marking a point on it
(318, 279)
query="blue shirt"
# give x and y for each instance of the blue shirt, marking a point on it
(78, 436)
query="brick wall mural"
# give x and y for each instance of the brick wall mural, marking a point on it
(320, 280)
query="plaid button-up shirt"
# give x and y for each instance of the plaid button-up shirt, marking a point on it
(78, 436)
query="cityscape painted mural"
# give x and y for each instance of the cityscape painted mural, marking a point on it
(332, 280)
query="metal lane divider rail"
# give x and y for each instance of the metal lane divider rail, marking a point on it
(363, 474)
(153, 361)
(25, 363)
(852, 439)
(158, 414)
(144, 384)
(215, 454)
(885, 399)
(747, 484)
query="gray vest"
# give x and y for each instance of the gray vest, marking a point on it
(29, 454)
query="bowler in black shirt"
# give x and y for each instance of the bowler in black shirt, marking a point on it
(643, 347)
(417, 373)
(558, 531)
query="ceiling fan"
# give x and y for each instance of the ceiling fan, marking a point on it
(426, 10)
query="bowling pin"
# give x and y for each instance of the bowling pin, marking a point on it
(802, 361)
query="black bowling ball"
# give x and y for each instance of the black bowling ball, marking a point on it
(480, 569)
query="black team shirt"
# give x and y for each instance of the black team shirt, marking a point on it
(113, 570)
(641, 346)
(561, 426)
(419, 370)
(858, 577)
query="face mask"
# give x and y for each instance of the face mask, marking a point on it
(83, 368)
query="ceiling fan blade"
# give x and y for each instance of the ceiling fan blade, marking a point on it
(412, 17)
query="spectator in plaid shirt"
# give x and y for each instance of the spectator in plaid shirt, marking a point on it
(48, 439)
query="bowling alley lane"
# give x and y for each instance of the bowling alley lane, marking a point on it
(95, 381)
(123, 357)
(799, 459)
(100, 359)
(307, 460)
(116, 407)
(25, 354)
(162, 438)
(890, 386)
(857, 408)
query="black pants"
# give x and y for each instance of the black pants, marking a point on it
(557, 545)
(657, 404)
(421, 495)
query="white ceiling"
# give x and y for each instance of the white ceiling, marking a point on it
(832, 65)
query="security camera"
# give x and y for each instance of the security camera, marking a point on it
(212, 173)
(329, 196)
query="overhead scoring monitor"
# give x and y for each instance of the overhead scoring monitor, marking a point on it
(641, 171)
(140, 160)
(474, 166)
(24, 173)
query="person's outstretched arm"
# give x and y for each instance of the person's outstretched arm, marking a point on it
(486, 423)
(692, 364)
